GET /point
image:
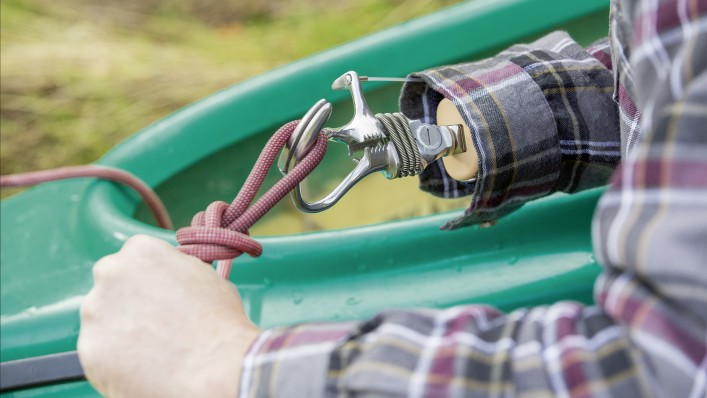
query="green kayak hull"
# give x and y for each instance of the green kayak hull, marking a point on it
(53, 234)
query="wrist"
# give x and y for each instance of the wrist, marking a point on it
(221, 376)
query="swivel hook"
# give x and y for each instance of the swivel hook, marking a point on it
(390, 143)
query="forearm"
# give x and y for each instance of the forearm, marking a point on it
(542, 117)
(471, 350)
(650, 228)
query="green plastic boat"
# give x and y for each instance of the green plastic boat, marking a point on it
(53, 234)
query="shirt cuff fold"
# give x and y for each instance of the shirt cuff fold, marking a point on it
(542, 119)
(512, 128)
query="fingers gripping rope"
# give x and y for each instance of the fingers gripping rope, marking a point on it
(221, 231)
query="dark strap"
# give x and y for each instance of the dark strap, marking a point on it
(37, 371)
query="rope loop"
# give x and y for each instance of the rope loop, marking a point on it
(220, 233)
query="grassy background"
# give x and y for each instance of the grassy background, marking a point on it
(78, 76)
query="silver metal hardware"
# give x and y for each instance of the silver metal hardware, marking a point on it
(435, 141)
(389, 143)
(363, 129)
(305, 135)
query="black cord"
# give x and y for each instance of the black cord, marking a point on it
(38, 371)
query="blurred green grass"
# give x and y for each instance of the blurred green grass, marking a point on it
(78, 76)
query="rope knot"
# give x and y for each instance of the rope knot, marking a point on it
(209, 238)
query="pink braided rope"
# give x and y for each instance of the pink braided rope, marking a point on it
(220, 233)
(150, 198)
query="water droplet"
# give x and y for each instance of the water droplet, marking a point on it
(297, 297)
(513, 260)
(267, 282)
(592, 259)
(487, 224)
(353, 301)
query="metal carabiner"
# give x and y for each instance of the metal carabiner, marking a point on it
(389, 143)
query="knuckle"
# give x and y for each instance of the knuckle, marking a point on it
(87, 348)
(89, 308)
(83, 347)
(137, 242)
(90, 357)
(104, 268)
(146, 245)
(145, 241)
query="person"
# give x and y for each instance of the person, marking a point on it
(548, 116)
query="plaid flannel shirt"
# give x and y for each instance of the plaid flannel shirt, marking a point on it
(551, 116)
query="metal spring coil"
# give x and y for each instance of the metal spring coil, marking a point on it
(398, 131)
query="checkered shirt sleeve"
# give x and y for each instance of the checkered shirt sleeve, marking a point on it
(542, 117)
(647, 334)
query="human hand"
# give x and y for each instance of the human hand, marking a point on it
(160, 323)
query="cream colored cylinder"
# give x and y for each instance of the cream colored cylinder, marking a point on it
(461, 166)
